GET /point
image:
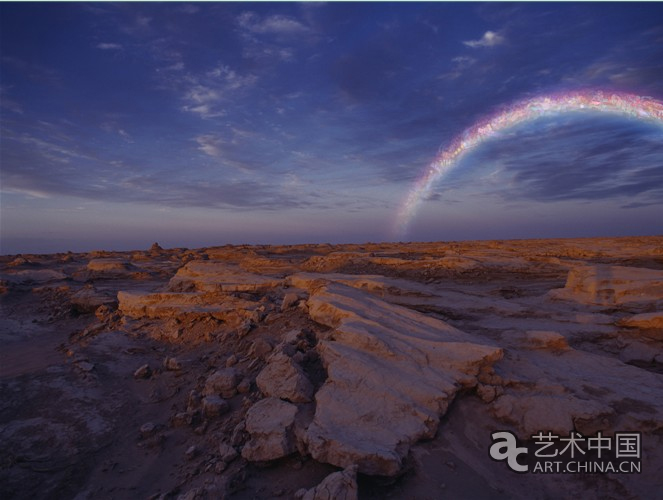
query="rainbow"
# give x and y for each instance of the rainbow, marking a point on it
(630, 105)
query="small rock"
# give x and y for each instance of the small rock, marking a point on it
(340, 485)
(191, 452)
(244, 386)
(283, 378)
(289, 300)
(227, 453)
(172, 364)
(299, 494)
(239, 434)
(213, 406)
(222, 382)
(260, 348)
(193, 401)
(181, 419)
(292, 337)
(220, 467)
(85, 366)
(193, 494)
(147, 429)
(488, 393)
(244, 329)
(143, 372)
(103, 313)
(231, 361)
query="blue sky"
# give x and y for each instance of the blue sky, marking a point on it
(196, 124)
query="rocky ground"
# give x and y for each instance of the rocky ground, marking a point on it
(326, 371)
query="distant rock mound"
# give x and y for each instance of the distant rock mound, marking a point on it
(606, 285)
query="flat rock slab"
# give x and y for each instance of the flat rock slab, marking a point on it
(612, 285)
(392, 373)
(33, 276)
(170, 304)
(211, 276)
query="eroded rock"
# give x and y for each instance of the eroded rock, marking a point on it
(222, 382)
(392, 373)
(340, 485)
(285, 379)
(270, 424)
(612, 285)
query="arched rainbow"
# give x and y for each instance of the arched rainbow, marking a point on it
(642, 108)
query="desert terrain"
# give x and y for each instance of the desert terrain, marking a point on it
(326, 371)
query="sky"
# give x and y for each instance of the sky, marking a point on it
(200, 124)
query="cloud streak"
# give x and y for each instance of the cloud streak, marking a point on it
(489, 39)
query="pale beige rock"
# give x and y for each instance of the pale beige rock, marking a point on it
(166, 305)
(270, 424)
(340, 485)
(612, 285)
(289, 300)
(392, 372)
(214, 276)
(222, 382)
(285, 379)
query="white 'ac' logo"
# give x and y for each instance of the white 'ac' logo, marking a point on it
(507, 442)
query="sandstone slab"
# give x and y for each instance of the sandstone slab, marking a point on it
(214, 276)
(392, 372)
(606, 285)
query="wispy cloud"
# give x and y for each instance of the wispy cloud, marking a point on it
(206, 94)
(272, 25)
(8, 103)
(210, 145)
(109, 46)
(489, 39)
(189, 8)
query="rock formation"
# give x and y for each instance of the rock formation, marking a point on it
(326, 371)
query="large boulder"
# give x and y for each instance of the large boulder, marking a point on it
(270, 424)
